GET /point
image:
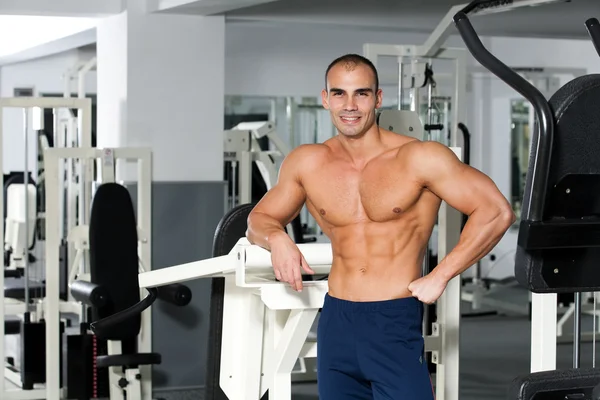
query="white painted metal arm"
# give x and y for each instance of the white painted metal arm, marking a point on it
(314, 253)
(216, 266)
(244, 259)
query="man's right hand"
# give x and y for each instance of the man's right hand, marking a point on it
(288, 262)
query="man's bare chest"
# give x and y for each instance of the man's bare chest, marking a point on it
(344, 196)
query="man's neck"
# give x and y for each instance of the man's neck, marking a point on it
(363, 148)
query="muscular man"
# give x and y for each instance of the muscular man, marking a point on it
(376, 195)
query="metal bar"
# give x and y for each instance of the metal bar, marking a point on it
(543, 332)
(87, 67)
(448, 307)
(593, 28)
(534, 198)
(45, 102)
(26, 189)
(144, 212)
(52, 301)
(2, 298)
(577, 330)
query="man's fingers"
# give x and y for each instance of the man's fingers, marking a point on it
(297, 278)
(284, 274)
(277, 274)
(306, 267)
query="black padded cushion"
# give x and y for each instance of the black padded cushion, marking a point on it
(14, 288)
(114, 257)
(89, 293)
(555, 384)
(128, 360)
(575, 152)
(230, 229)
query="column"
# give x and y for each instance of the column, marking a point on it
(161, 85)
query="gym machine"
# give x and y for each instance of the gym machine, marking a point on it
(253, 170)
(558, 247)
(78, 74)
(505, 295)
(242, 150)
(110, 250)
(37, 305)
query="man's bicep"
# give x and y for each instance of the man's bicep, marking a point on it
(283, 202)
(461, 186)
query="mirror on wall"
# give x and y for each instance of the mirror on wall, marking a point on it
(298, 120)
(520, 115)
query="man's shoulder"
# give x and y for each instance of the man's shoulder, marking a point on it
(308, 152)
(422, 149)
(305, 157)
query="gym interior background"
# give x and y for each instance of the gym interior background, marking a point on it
(173, 75)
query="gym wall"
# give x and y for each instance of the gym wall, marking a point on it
(184, 218)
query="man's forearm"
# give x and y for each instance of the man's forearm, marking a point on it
(480, 235)
(263, 230)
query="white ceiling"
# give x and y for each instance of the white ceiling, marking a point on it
(558, 20)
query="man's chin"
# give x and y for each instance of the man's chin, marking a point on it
(351, 133)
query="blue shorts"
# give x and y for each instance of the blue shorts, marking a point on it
(372, 350)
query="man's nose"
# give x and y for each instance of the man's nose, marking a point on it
(350, 104)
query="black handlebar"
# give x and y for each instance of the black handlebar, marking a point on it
(593, 28)
(545, 128)
(101, 327)
(466, 142)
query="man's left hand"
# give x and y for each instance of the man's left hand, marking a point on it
(428, 288)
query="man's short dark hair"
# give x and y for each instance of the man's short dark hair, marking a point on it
(352, 60)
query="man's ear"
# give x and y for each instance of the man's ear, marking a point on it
(379, 97)
(324, 98)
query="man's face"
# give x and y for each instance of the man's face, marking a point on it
(351, 98)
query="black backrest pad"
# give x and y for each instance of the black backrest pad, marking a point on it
(114, 255)
(573, 191)
(555, 384)
(230, 229)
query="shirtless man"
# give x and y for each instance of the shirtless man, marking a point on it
(376, 195)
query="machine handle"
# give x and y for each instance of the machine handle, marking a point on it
(103, 325)
(545, 127)
(593, 28)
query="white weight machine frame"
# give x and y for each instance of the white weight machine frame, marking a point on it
(51, 306)
(241, 146)
(432, 49)
(78, 73)
(106, 158)
(265, 323)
